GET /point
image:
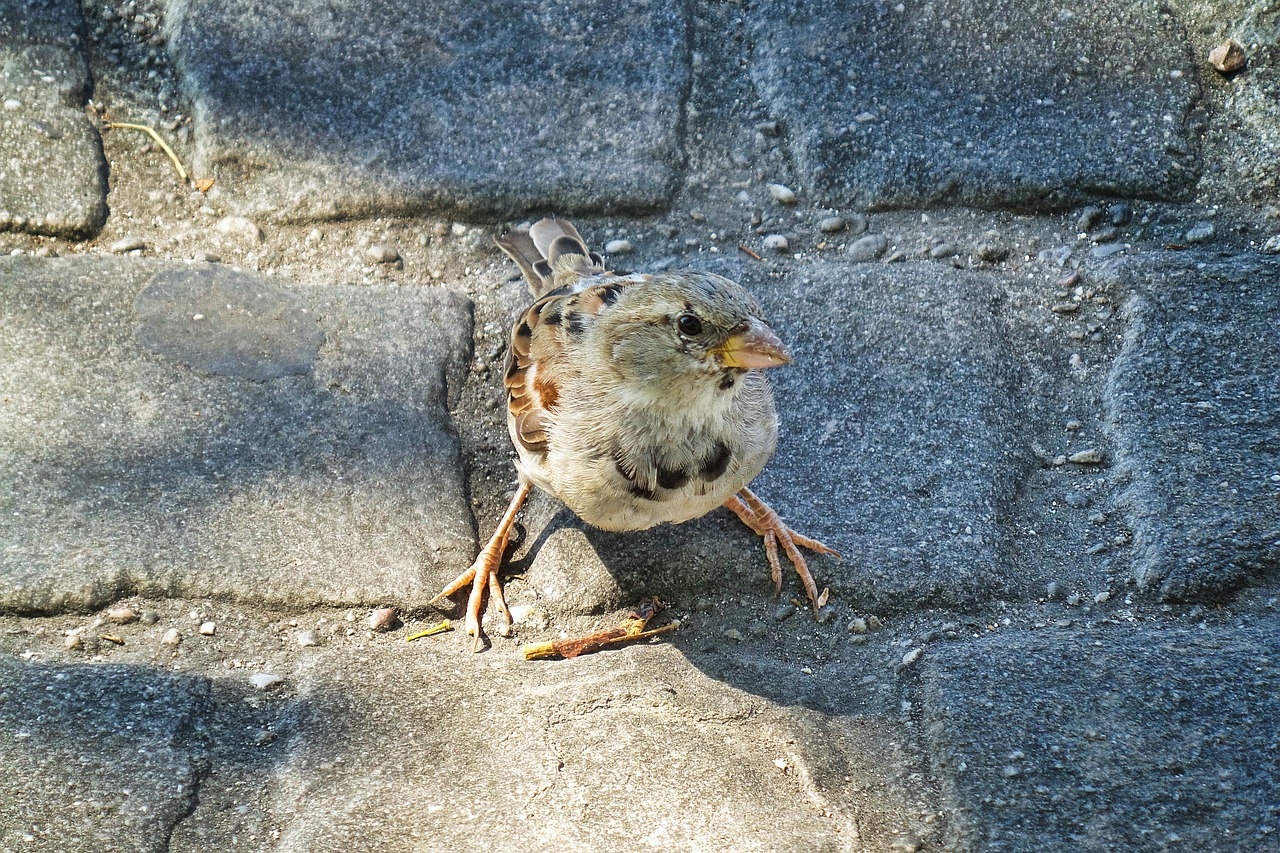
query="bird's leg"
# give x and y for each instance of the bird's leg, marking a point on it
(757, 515)
(484, 571)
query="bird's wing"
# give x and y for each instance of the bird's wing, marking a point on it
(539, 360)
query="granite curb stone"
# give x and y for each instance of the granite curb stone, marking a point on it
(53, 176)
(1195, 411)
(405, 107)
(1020, 104)
(1130, 738)
(98, 757)
(189, 430)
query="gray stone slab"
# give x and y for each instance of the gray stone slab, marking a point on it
(98, 758)
(416, 748)
(1028, 104)
(192, 431)
(306, 110)
(1134, 738)
(1194, 405)
(53, 177)
(900, 447)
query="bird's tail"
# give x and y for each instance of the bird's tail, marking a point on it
(551, 254)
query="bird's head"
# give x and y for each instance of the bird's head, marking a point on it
(690, 330)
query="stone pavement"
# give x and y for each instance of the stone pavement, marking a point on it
(1023, 255)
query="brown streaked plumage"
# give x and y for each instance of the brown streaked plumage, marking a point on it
(636, 400)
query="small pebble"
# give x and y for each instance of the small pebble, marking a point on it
(264, 737)
(1088, 218)
(149, 617)
(1102, 598)
(12, 104)
(1058, 257)
(618, 247)
(1201, 232)
(1228, 57)
(1065, 308)
(832, 224)
(381, 253)
(1092, 456)
(1077, 500)
(1272, 246)
(1052, 591)
(208, 629)
(122, 614)
(942, 250)
(867, 248)
(874, 623)
(768, 128)
(265, 680)
(857, 625)
(732, 634)
(127, 244)
(1120, 214)
(1105, 235)
(1106, 250)
(1075, 599)
(384, 619)
(1011, 771)
(240, 227)
(1074, 426)
(73, 640)
(306, 639)
(782, 194)
(784, 611)
(776, 243)
(171, 637)
(912, 656)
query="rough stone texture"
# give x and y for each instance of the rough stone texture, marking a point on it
(392, 108)
(1195, 410)
(900, 447)
(52, 173)
(988, 104)
(602, 753)
(97, 758)
(1128, 739)
(128, 470)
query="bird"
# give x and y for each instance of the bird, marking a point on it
(636, 399)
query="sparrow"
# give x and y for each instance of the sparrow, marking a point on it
(635, 399)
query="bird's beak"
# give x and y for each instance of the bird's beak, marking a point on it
(754, 346)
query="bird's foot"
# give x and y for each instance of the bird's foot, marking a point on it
(757, 515)
(482, 575)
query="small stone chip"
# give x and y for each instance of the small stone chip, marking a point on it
(782, 193)
(1228, 57)
(208, 629)
(265, 680)
(776, 243)
(1092, 456)
(127, 244)
(381, 253)
(122, 614)
(240, 227)
(306, 639)
(912, 656)
(171, 637)
(857, 625)
(832, 224)
(732, 634)
(618, 247)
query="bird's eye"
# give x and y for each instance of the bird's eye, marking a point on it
(689, 324)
